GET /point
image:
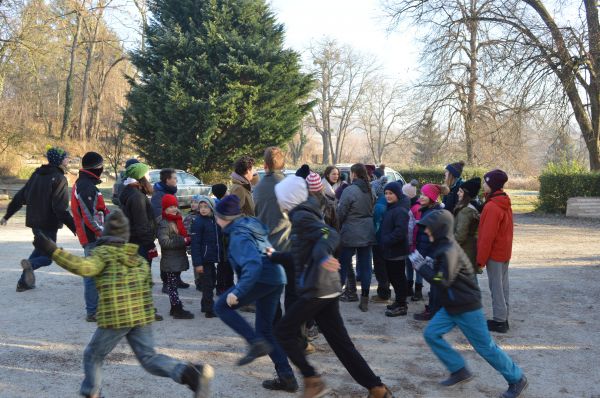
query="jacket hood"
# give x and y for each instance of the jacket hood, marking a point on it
(91, 176)
(361, 184)
(159, 186)
(49, 169)
(440, 223)
(311, 205)
(499, 198)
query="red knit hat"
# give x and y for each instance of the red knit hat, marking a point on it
(314, 182)
(432, 191)
(169, 200)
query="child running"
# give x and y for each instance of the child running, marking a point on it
(207, 251)
(173, 239)
(319, 288)
(449, 269)
(125, 308)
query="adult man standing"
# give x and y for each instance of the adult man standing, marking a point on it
(46, 196)
(89, 210)
(241, 185)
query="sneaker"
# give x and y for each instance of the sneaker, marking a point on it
(515, 390)
(460, 376)
(309, 349)
(255, 351)
(198, 377)
(498, 327)
(90, 318)
(423, 316)
(400, 310)
(284, 383)
(312, 333)
(21, 287)
(392, 306)
(349, 297)
(28, 275)
(210, 314)
(379, 300)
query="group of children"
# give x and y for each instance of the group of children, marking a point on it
(446, 244)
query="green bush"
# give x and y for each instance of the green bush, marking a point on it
(436, 175)
(561, 181)
(25, 172)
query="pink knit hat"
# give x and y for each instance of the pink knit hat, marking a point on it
(314, 182)
(432, 191)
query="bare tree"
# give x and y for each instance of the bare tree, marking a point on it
(342, 77)
(297, 144)
(114, 145)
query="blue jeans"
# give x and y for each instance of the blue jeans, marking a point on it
(266, 298)
(141, 342)
(410, 272)
(37, 258)
(364, 270)
(473, 325)
(89, 287)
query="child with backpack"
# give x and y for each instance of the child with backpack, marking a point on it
(207, 251)
(173, 239)
(125, 308)
(448, 268)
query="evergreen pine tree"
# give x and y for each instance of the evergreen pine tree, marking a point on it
(215, 83)
(429, 142)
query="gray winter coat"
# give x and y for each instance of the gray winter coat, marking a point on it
(172, 245)
(268, 212)
(355, 215)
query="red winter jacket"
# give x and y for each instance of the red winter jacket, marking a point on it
(495, 230)
(88, 208)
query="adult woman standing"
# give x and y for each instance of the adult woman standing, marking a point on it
(467, 216)
(331, 181)
(452, 182)
(355, 215)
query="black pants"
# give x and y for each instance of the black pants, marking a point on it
(209, 280)
(326, 312)
(396, 271)
(224, 277)
(379, 266)
(290, 296)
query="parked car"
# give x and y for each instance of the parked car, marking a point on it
(286, 172)
(187, 186)
(391, 174)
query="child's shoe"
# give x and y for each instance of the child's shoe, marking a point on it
(177, 312)
(256, 350)
(380, 392)
(198, 377)
(283, 383)
(314, 387)
(400, 310)
(515, 390)
(498, 327)
(460, 376)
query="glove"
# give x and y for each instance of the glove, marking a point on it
(232, 299)
(152, 253)
(188, 241)
(44, 244)
(3, 221)
(416, 259)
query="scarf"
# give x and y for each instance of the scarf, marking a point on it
(177, 219)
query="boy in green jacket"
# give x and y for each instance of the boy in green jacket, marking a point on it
(125, 308)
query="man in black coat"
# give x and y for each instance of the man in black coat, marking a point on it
(46, 196)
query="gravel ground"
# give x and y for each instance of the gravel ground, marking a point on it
(554, 336)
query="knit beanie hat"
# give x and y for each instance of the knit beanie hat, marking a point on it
(432, 191)
(290, 192)
(55, 155)
(378, 185)
(131, 161)
(456, 169)
(209, 201)
(314, 182)
(219, 190)
(92, 160)
(396, 188)
(410, 189)
(117, 225)
(495, 179)
(303, 171)
(228, 208)
(471, 187)
(169, 200)
(136, 171)
(196, 198)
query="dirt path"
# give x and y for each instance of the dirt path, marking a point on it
(555, 330)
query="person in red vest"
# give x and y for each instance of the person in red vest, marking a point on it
(89, 211)
(494, 245)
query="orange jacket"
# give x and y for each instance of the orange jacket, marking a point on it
(495, 230)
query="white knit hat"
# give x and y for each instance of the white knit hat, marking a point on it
(290, 192)
(410, 189)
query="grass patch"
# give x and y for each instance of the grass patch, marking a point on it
(523, 201)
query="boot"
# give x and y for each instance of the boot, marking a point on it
(418, 296)
(380, 392)
(399, 310)
(177, 312)
(515, 390)
(198, 377)
(281, 383)
(498, 327)
(410, 292)
(257, 349)
(364, 304)
(29, 276)
(314, 387)
(460, 376)
(349, 294)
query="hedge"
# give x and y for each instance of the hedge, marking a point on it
(557, 187)
(436, 175)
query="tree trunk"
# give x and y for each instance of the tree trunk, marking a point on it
(69, 86)
(472, 27)
(326, 149)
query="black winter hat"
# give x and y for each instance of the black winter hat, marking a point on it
(396, 188)
(219, 190)
(303, 171)
(92, 160)
(471, 187)
(117, 225)
(456, 169)
(130, 162)
(228, 208)
(495, 179)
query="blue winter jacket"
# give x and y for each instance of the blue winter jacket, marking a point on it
(378, 214)
(247, 248)
(423, 243)
(160, 190)
(207, 241)
(394, 229)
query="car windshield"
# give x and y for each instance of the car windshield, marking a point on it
(154, 176)
(187, 179)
